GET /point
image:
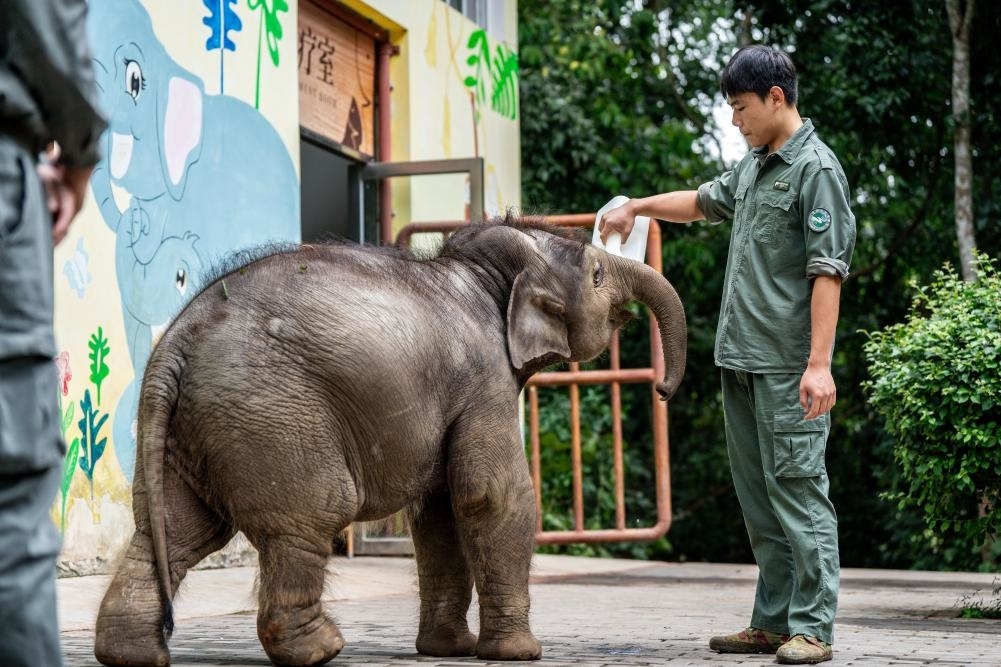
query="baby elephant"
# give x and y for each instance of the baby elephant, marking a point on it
(328, 384)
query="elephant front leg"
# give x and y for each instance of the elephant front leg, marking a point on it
(443, 577)
(495, 510)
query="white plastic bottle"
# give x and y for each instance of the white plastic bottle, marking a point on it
(635, 246)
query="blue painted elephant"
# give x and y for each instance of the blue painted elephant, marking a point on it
(204, 175)
(152, 292)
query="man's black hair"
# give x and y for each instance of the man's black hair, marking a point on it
(755, 69)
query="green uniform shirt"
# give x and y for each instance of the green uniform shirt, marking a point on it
(791, 222)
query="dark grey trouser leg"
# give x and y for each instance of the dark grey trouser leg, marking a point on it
(29, 544)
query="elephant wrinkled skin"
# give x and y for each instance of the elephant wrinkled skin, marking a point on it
(337, 383)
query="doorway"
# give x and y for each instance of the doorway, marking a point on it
(327, 185)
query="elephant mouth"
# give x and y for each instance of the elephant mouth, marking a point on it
(121, 153)
(620, 318)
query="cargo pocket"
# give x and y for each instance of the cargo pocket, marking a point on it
(30, 438)
(799, 445)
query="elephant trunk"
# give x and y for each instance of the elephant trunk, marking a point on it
(653, 289)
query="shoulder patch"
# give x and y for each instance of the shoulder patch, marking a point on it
(819, 220)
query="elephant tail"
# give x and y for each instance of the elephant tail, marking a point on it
(157, 404)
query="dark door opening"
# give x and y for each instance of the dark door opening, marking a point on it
(324, 192)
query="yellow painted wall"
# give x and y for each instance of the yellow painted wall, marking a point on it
(435, 115)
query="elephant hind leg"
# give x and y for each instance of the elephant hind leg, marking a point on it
(129, 630)
(129, 627)
(291, 623)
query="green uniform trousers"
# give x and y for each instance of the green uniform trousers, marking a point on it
(777, 462)
(31, 444)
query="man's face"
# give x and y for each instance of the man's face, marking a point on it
(756, 119)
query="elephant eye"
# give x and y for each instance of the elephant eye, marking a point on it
(181, 281)
(599, 274)
(135, 82)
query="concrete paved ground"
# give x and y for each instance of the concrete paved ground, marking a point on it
(591, 612)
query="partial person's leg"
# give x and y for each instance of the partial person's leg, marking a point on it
(29, 545)
(31, 448)
(798, 486)
(750, 463)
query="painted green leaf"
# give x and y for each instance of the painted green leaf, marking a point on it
(67, 418)
(91, 443)
(69, 469)
(99, 351)
(269, 32)
(499, 70)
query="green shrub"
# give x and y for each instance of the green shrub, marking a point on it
(936, 381)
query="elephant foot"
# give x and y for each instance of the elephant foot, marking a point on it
(515, 647)
(299, 638)
(445, 642)
(129, 628)
(123, 647)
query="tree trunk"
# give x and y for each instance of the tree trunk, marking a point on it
(960, 19)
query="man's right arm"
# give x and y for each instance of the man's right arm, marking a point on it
(677, 206)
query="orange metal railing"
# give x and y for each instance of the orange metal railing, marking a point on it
(614, 377)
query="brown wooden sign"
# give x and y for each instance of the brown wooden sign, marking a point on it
(336, 79)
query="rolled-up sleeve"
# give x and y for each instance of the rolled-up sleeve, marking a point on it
(716, 198)
(828, 223)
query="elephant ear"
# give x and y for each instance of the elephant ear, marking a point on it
(180, 130)
(536, 322)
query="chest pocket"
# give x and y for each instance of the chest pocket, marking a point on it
(740, 212)
(774, 217)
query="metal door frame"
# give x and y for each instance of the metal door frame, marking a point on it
(379, 171)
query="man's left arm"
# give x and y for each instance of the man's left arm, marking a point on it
(829, 227)
(817, 392)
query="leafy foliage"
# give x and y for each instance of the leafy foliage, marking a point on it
(936, 380)
(976, 605)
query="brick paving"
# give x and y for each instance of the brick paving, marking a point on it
(584, 612)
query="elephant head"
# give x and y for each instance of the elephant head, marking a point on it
(153, 106)
(568, 296)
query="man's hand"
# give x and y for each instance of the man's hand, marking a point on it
(619, 220)
(65, 190)
(817, 393)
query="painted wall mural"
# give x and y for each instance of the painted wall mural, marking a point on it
(187, 177)
(494, 75)
(476, 73)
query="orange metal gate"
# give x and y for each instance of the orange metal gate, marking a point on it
(614, 377)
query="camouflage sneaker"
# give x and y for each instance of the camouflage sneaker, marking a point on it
(804, 650)
(748, 640)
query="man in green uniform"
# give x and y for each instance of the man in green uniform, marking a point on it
(791, 244)
(47, 94)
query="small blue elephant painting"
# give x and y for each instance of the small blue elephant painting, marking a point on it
(204, 175)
